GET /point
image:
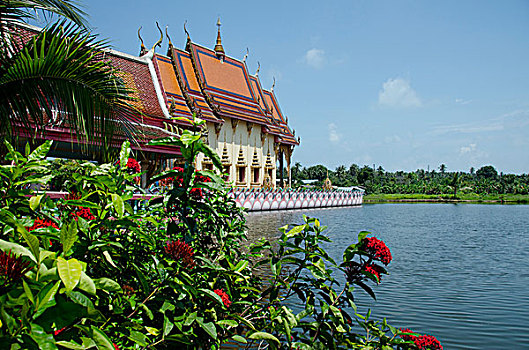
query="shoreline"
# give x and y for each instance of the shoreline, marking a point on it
(373, 199)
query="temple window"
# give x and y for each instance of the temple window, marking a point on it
(255, 175)
(241, 174)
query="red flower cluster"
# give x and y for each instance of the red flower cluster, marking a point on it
(84, 213)
(225, 298)
(377, 248)
(374, 269)
(422, 342)
(178, 181)
(12, 267)
(39, 223)
(179, 250)
(132, 164)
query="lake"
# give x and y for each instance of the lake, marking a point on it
(459, 272)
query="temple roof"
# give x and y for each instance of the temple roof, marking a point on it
(199, 80)
(226, 84)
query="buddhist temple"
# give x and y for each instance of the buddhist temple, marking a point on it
(245, 124)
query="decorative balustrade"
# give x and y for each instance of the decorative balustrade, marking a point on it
(262, 200)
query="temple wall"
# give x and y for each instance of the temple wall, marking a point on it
(242, 145)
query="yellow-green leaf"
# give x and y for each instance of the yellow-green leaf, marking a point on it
(70, 272)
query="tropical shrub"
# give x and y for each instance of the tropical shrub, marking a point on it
(90, 271)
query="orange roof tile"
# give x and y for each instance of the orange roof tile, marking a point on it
(226, 84)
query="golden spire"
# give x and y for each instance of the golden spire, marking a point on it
(219, 50)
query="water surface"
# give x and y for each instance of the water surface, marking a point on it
(459, 271)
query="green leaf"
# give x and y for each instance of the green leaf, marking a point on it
(43, 339)
(16, 249)
(45, 298)
(167, 325)
(124, 154)
(209, 327)
(81, 299)
(87, 284)
(108, 258)
(212, 295)
(101, 339)
(138, 338)
(229, 323)
(190, 319)
(71, 345)
(28, 292)
(118, 204)
(239, 339)
(241, 265)
(107, 284)
(263, 335)
(41, 151)
(68, 236)
(294, 231)
(362, 235)
(34, 201)
(70, 272)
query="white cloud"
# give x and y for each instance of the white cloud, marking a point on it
(462, 101)
(467, 149)
(334, 136)
(314, 58)
(398, 93)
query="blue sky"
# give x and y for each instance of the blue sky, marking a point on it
(401, 84)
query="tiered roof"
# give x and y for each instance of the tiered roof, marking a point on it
(198, 81)
(216, 86)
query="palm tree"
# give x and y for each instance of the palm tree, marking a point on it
(58, 72)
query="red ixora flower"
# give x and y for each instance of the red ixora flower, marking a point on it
(12, 267)
(178, 181)
(39, 223)
(132, 164)
(225, 298)
(179, 250)
(84, 213)
(422, 342)
(374, 269)
(377, 248)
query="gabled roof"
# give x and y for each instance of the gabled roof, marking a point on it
(173, 96)
(184, 74)
(226, 85)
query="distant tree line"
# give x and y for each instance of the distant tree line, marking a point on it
(486, 180)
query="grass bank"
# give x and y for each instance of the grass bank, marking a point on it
(447, 198)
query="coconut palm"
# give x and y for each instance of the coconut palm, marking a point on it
(56, 74)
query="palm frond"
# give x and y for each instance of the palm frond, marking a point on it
(61, 72)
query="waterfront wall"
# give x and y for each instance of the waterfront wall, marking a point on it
(258, 200)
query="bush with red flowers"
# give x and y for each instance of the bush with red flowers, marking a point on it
(174, 272)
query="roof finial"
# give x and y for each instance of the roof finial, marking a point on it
(246, 56)
(188, 42)
(258, 69)
(143, 49)
(159, 42)
(168, 37)
(219, 50)
(273, 85)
